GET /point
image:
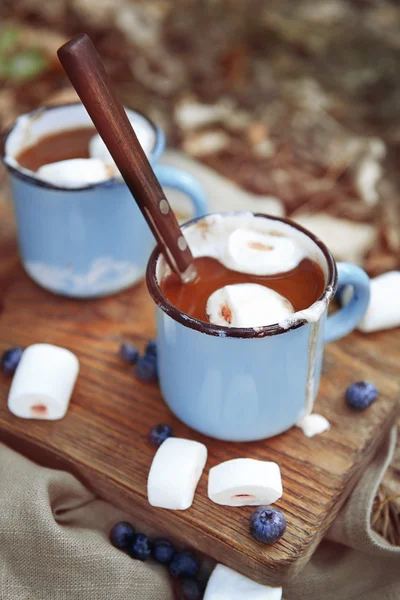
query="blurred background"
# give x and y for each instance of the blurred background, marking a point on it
(294, 100)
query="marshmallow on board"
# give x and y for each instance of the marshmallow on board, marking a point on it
(76, 172)
(227, 584)
(43, 382)
(247, 305)
(245, 482)
(313, 424)
(259, 253)
(384, 305)
(175, 472)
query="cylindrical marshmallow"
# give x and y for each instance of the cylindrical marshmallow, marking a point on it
(43, 382)
(227, 584)
(144, 132)
(76, 172)
(175, 472)
(313, 424)
(245, 482)
(384, 306)
(247, 305)
(260, 253)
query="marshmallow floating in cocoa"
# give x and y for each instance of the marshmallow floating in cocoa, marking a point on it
(247, 305)
(227, 584)
(175, 472)
(76, 172)
(245, 482)
(145, 134)
(384, 306)
(43, 383)
(261, 254)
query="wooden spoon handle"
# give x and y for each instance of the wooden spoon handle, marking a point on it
(87, 74)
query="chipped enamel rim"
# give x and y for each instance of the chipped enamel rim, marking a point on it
(24, 174)
(238, 332)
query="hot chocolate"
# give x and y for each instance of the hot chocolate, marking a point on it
(63, 145)
(77, 156)
(301, 286)
(247, 275)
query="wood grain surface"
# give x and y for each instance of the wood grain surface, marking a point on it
(103, 438)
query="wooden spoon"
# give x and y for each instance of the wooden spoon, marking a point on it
(87, 74)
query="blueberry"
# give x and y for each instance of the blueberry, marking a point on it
(361, 394)
(159, 433)
(267, 524)
(10, 360)
(191, 589)
(129, 353)
(163, 551)
(141, 547)
(183, 564)
(146, 368)
(151, 348)
(122, 535)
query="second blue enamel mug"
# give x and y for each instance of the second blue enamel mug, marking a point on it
(248, 384)
(89, 241)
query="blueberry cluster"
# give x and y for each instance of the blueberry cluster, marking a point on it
(183, 566)
(146, 365)
(10, 359)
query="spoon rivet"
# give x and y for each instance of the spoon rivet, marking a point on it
(182, 243)
(164, 207)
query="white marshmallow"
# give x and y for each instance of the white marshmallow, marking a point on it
(74, 173)
(247, 305)
(99, 151)
(175, 472)
(384, 305)
(261, 254)
(43, 383)
(313, 424)
(145, 134)
(245, 482)
(227, 584)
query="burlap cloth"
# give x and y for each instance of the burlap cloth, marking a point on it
(54, 544)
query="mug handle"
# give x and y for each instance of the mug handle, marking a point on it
(181, 180)
(345, 320)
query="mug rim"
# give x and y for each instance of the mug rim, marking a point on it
(112, 182)
(237, 332)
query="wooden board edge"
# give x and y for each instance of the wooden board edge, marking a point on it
(294, 568)
(275, 573)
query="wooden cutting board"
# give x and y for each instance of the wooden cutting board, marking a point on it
(103, 438)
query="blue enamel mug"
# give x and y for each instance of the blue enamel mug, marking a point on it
(88, 241)
(245, 384)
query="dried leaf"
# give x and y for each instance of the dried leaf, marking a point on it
(347, 240)
(207, 142)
